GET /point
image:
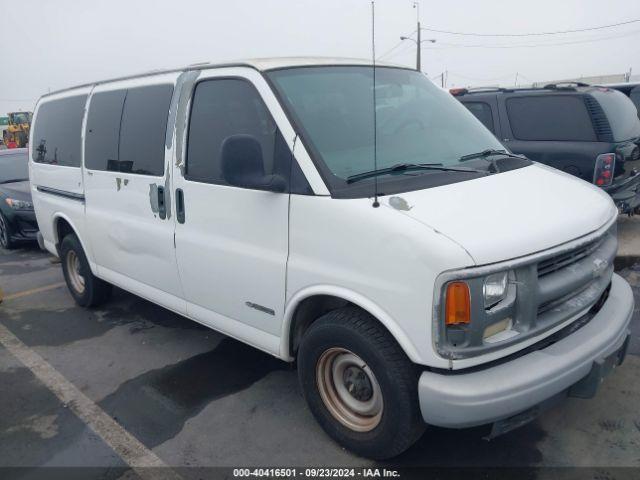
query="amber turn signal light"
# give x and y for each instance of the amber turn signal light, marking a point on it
(458, 304)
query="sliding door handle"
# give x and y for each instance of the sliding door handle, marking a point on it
(180, 205)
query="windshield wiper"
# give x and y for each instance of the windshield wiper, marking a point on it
(14, 180)
(485, 154)
(489, 153)
(405, 167)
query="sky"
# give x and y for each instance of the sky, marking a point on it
(53, 44)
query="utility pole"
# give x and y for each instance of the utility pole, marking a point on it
(419, 40)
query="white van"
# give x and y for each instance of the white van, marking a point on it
(417, 273)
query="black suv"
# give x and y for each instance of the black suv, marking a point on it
(591, 132)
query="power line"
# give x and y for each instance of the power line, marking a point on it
(402, 51)
(394, 47)
(525, 45)
(559, 32)
(474, 79)
(388, 52)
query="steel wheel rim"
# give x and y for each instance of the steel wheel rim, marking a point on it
(73, 270)
(349, 389)
(4, 233)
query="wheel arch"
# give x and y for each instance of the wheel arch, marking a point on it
(62, 226)
(309, 304)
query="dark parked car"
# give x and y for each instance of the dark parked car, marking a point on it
(631, 90)
(17, 219)
(591, 132)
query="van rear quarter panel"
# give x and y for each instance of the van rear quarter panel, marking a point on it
(376, 258)
(49, 208)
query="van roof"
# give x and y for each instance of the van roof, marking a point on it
(260, 64)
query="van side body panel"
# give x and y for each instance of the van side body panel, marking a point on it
(58, 191)
(232, 245)
(377, 258)
(123, 217)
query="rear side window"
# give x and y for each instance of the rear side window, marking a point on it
(126, 130)
(552, 118)
(482, 111)
(621, 113)
(143, 129)
(226, 107)
(103, 130)
(57, 132)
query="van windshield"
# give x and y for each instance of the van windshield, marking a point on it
(416, 123)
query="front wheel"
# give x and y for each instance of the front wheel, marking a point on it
(359, 384)
(85, 288)
(5, 234)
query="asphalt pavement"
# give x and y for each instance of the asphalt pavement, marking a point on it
(133, 382)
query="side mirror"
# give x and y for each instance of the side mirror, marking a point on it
(243, 165)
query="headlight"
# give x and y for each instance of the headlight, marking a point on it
(19, 204)
(494, 288)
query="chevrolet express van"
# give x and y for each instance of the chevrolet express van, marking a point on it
(370, 229)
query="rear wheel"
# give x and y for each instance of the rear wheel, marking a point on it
(5, 234)
(85, 288)
(359, 384)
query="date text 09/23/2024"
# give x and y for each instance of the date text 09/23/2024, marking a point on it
(316, 472)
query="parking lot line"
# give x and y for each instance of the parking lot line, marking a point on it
(25, 293)
(143, 461)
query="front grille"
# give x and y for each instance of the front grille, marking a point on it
(573, 280)
(566, 259)
(546, 306)
(546, 291)
(541, 344)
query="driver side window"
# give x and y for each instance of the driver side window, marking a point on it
(224, 108)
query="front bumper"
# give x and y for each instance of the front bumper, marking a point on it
(23, 226)
(460, 400)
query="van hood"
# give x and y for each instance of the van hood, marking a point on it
(511, 214)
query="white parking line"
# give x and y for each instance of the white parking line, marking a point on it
(142, 460)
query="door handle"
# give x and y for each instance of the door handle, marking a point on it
(162, 207)
(180, 205)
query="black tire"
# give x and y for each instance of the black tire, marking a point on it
(5, 234)
(95, 291)
(354, 330)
